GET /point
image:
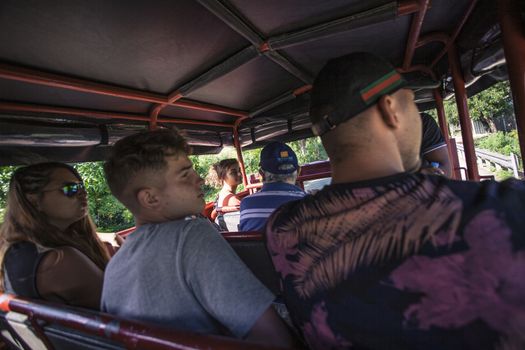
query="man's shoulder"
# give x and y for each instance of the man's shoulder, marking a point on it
(163, 233)
(492, 193)
(179, 225)
(291, 209)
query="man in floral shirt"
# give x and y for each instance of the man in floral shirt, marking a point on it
(385, 258)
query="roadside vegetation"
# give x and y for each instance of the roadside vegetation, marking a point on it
(500, 142)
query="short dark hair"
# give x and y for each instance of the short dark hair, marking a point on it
(145, 151)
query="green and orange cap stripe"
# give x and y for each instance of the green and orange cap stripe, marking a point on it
(381, 86)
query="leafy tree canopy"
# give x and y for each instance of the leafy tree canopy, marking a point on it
(486, 105)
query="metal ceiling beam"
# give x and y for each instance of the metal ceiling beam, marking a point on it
(455, 34)
(379, 14)
(31, 76)
(234, 20)
(93, 114)
(279, 100)
(243, 27)
(228, 65)
(415, 30)
(376, 15)
(235, 61)
(432, 37)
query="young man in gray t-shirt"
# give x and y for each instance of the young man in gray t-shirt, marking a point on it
(174, 269)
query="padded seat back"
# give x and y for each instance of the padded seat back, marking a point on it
(251, 248)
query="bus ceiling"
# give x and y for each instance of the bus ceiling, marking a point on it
(227, 72)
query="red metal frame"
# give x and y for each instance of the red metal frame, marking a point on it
(413, 35)
(461, 99)
(432, 37)
(414, 40)
(442, 118)
(154, 115)
(455, 34)
(443, 125)
(134, 335)
(454, 159)
(407, 7)
(514, 44)
(32, 76)
(464, 118)
(19, 107)
(238, 148)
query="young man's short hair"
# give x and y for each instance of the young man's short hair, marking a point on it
(140, 153)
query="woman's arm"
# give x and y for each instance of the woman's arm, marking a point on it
(233, 201)
(67, 275)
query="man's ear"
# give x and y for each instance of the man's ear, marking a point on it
(148, 198)
(387, 106)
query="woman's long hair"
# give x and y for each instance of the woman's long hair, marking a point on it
(218, 172)
(24, 222)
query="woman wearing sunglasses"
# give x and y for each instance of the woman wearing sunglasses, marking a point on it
(48, 244)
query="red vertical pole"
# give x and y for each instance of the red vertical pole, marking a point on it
(442, 119)
(443, 125)
(464, 118)
(237, 143)
(512, 28)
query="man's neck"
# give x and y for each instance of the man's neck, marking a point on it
(365, 167)
(156, 218)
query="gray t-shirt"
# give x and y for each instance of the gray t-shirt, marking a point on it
(183, 274)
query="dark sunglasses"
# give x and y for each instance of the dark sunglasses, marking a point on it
(69, 189)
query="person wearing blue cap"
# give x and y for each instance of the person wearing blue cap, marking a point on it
(278, 169)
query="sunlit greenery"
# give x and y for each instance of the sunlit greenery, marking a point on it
(110, 216)
(501, 142)
(485, 106)
(107, 212)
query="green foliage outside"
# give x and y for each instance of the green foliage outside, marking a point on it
(503, 143)
(485, 106)
(500, 142)
(107, 212)
(110, 216)
(5, 176)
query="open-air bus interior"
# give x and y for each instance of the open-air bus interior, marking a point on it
(75, 76)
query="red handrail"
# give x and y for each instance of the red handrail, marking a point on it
(134, 335)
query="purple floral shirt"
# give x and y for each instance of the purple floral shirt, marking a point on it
(405, 262)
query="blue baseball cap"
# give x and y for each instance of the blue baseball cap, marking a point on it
(278, 158)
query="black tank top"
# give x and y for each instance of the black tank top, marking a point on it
(20, 266)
